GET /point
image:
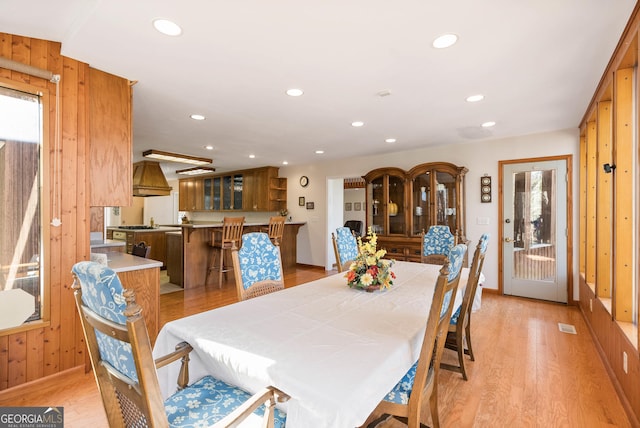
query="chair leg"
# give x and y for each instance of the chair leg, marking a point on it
(460, 346)
(433, 405)
(221, 267)
(469, 350)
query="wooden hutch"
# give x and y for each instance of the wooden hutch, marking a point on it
(401, 204)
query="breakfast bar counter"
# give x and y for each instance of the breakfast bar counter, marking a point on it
(197, 251)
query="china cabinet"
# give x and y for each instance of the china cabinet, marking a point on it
(402, 204)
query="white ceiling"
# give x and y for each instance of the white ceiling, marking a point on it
(537, 62)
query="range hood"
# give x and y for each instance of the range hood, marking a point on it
(148, 180)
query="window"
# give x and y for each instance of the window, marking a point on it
(21, 276)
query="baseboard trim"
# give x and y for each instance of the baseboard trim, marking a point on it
(18, 391)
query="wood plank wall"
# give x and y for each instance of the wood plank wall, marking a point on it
(32, 354)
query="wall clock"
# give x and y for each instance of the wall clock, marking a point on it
(304, 181)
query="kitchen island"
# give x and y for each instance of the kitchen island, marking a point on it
(196, 254)
(152, 236)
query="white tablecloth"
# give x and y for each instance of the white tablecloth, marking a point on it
(337, 351)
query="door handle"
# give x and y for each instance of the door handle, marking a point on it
(508, 239)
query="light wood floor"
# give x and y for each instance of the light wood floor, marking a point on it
(527, 373)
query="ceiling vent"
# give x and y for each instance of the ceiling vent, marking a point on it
(149, 180)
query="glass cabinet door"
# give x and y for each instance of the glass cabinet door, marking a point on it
(216, 192)
(446, 200)
(395, 206)
(226, 192)
(208, 184)
(375, 211)
(421, 203)
(237, 192)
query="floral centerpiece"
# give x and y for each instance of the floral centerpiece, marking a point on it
(369, 271)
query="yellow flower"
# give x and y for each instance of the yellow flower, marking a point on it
(372, 260)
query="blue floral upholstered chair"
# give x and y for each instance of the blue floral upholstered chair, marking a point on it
(121, 356)
(258, 266)
(345, 247)
(436, 244)
(420, 383)
(460, 324)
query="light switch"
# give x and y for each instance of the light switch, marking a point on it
(482, 220)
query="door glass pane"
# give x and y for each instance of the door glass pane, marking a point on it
(395, 207)
(375, 197)
(421, 220)
(20, 217)
(534, 238)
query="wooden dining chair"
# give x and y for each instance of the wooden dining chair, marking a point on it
(275, 230)
(345, 246)
(121, 356)
(258, 266)
(141, 249)
(459, 331)
(420, 384)
(436, 244)
(222, 241)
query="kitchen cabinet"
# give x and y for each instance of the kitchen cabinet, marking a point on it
(110, 147)
(402, 204)
(191, 194)
(258, 189)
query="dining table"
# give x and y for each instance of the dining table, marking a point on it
(336, 351)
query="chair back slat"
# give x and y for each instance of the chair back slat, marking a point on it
(232, 231)
(276, 228)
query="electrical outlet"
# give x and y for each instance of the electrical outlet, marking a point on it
(591, 305)
(624, 362)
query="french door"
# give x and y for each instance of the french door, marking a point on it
(534, 229)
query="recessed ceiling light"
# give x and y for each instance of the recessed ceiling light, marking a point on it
(445, 41)
(357, 124)
(252, 156)
(319, 152)
(475, 98)
(167, 27)
(197, 117)
(390, 140)
(209, 147)
(294, 92)
(285, 163)
(488, 124)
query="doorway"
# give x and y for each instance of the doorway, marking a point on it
(535, 228)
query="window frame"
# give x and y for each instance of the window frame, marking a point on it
(45, 204)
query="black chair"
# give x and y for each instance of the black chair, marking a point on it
(355, 226)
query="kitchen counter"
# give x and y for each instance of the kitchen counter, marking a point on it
(106, 245)
(143, 277)
(123, 262)
(155, 229)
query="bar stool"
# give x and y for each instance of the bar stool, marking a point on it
(230, 237)
(275, 229)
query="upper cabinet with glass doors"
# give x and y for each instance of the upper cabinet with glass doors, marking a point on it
(402, 204)
(245, 190)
